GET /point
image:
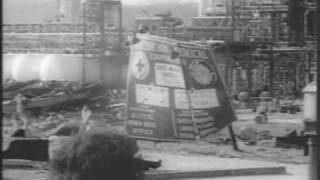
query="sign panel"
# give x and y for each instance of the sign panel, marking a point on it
(174, 97)
(200, 99)
(169, 75)
(210, 104)
(152, 95)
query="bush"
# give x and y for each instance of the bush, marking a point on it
(96, 155)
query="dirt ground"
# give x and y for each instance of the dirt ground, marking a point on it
(214, 146)
(218, 145)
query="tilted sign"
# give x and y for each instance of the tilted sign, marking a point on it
(174, 91)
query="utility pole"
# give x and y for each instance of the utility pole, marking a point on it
(84, 40)
(233, 19)
(250, 64)
(314, 122)
(102, 25)
(318, 87)
(120, 28)
(230, 128)
(271, 70)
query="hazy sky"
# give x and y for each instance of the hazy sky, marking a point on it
(144, 2)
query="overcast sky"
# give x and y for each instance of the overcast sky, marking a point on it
(144, 2)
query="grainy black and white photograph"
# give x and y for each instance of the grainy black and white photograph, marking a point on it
(160, 89)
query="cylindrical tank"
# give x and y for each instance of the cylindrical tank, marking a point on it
(7, 65)
(69, 68)
(26, 67)
(310, 102)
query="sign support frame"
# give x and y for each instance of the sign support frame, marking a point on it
(230, 127)
(196, 130)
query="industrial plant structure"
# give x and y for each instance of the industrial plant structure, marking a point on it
(81, 41)
(265, 45)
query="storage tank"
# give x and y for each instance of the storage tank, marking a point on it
(310, 102)
(26, 67)
(69, 67)
(7, 64)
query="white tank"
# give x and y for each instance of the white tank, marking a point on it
(26, 67)
(7, 65)
(310, 102)
(69, 67)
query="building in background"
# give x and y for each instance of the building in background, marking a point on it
(163, 24)
(282, 34)
(29, 12)
(211, 28)
(214, 8)
(268, 43)
(276, 38)
(68, 29)
(213, 22)
(153, 23)
(88, 31)
(69, 10)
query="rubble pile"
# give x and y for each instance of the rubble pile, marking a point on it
(53, 94)
(51, 103)
(267, 103)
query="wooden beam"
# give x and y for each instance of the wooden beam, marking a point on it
(165, 175)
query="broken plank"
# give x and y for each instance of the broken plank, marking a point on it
(165, 175)
(56, 100)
